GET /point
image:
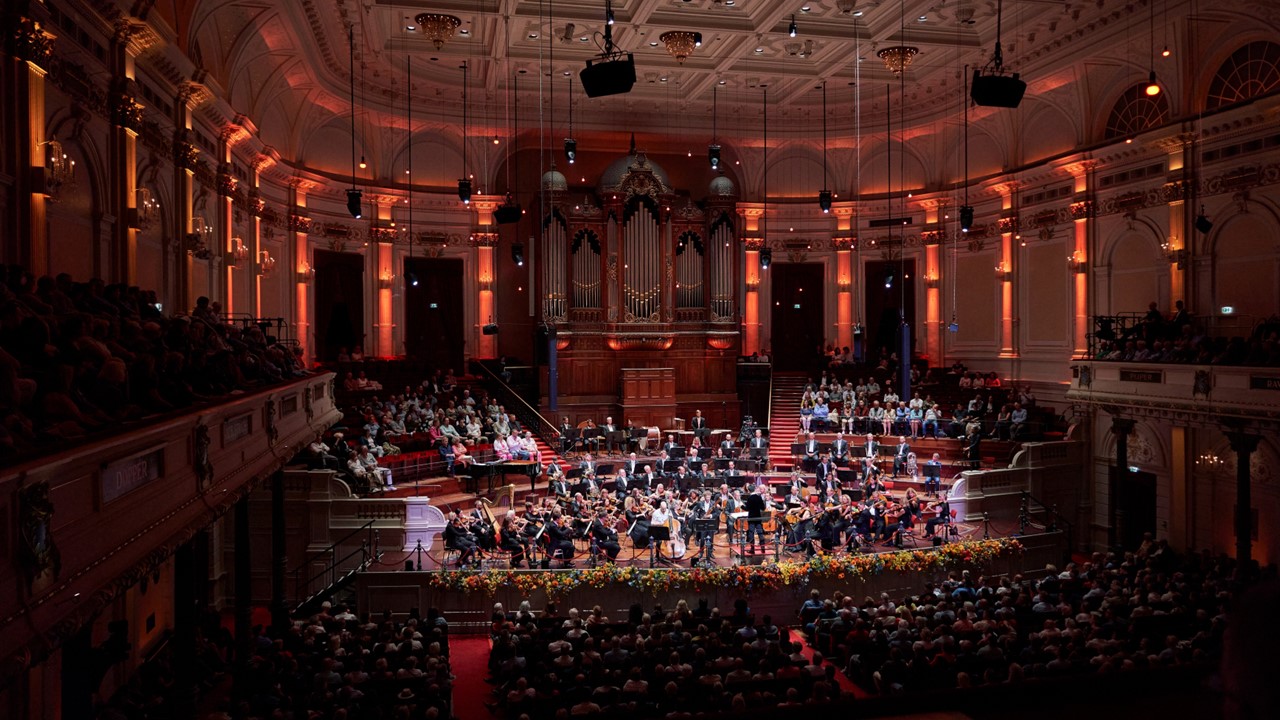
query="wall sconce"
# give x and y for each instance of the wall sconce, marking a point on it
(1173, 253)
(844, 285)
(266, 264)
(753, 284)
(932, 282)
(305, 272)
(59, 171)
(486, 283)
(1077, 263)
(145, 211)
(1004, 272)
(238, 253)
(386, 280)
(198, 238)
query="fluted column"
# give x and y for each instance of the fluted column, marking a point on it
(131, 39)
(751, 276)
(1244, 444)
(29, 49)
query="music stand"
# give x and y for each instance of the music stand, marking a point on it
(705, 529)
(658, 534)
(676, 453)
(633, 439)
(669, 467)
(617, 438)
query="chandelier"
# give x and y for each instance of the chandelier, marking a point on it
(681, 43)
(266, 264)
(437, 27)
(147, 208)
(60, 170)
(898, 58)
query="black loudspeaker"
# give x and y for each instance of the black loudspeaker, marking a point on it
(937, 541)
(1203, 224)
(490, 329)
(608, 77)
(507, 214)
(1004, 91)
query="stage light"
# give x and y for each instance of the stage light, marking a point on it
(766, 258)
(363, 164)
(464, 190)
(570, 150)
(888, 281)
(517, 254)
(966, 218)
(353, 202)
(1153, 88)
(713, 156)
(791, 30)
(824, 201)
(412, 279)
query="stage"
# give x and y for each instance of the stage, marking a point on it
(775, 588)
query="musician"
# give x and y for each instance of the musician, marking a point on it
(566, 435)
(840, 450)
(632, 465)
(828, 482)
(480, 525)
(560, 486)
(810, 450)
(943, 508)
(511, 539)
(699, 426)
(682, 480)
(587, 466)
(561, 539)
(870, 448)
(872, 483)
(620, 483)
(591, 436)
(606, 537)
(933, 474)
(661, 518)
(669, 447)
(900, 453)
(758, 441)
(611, 440)
(728, 503)
(457, 537)
(726, 446)
(730, 470)
(755, 507)
(797, 484)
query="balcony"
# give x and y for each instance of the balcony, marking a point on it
(91, 521)
(1191, 394)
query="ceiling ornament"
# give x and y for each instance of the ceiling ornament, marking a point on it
(898, 58)
(439, 28)
(681, 43)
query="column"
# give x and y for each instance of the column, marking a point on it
(1120, 427)
(1243, 444)
(27, 240)
(1009, 234)
(279, 561)
(186, 154)
(131, 39)
(226, 216)
(486, 244)
(383, 233)
(844, 275)
(244, 597)
(1081, 257)
(300, 260)
(190, 584)
(751, 276)
(1181, 529)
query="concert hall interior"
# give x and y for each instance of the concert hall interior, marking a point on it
(532, 358)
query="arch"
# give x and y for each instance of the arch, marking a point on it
(1048, 131)
(1135, 111)
(1139, 272)
(1252, 70)
(1246, 263)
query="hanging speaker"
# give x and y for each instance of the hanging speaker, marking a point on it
(1203, 224)
(507, 214)
(490, 329)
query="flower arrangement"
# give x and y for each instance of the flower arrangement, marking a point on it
(768, 576)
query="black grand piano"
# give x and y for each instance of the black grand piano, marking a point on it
(498, 468)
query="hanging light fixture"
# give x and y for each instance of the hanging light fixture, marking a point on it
(766, 255)
(438, 27)
(570, 145)
(464, 183)
(713, 150)
(353, 193)
(1153, 87)
(898, 57)
(966, 210)
(681, 43)
(824, 195)
(791, 29)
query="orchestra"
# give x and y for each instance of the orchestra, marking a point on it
(839, 504)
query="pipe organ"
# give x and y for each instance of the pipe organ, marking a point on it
(641, 276)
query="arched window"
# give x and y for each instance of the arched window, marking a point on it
(1251, 71)
(1135, 111)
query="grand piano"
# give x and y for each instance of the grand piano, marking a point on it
(498, 468)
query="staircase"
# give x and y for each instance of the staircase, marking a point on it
(784, 417)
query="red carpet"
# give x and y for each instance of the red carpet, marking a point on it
(469, 658)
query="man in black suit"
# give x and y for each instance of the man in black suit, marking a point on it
(560, 487)
(900, 456)
(620, 483)
(759, 441)
(632, 465)
(561, 539)
(840, 450)
(755, 507)
(457, 537)
(670, 445)
(828, 483)
(726, 446)
(588, 465)
(610, 437)
(682, 480)
(810, 451)
(606, 538)
(567, 433)
(699, 426)
(646, 479)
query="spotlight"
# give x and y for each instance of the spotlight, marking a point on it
(824, 201)
(888, 281)
(1202, 223)
(363, 164)
(517, 254)
(966, 218)
(570, 150)
(791, 30)
(353, 202)
(1165, 52)
(713, 156)
(464, 190)
(766, 258)
(412, 279)
(1153, 88)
